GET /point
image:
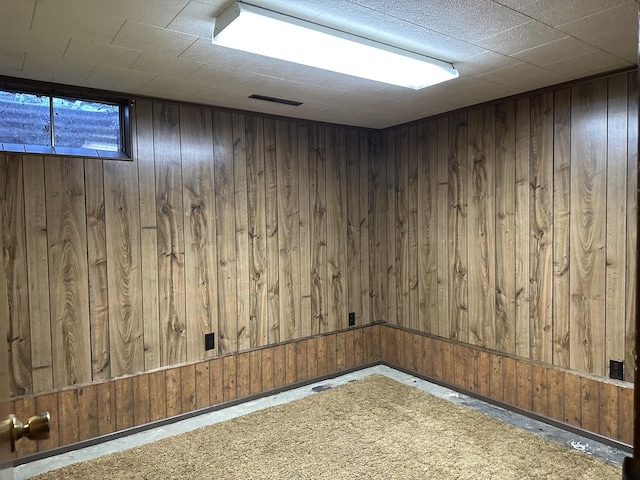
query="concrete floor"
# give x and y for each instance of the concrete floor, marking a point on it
(554, 434)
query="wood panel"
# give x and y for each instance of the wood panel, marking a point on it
(481, 252)
(505, 271)
(412, 229)
(273, 280)
(378, 240)
(364, 224)
(68, 274)
(170, 233)
(123, 268)
(38, 275)
(318, 233)
(225, 232)
(353, 283)
(288, 230)
(442, 230)
(561, 225)
(196, 152)
(304, 222)
(401, 238)
(588, 224)
(389, 154)
(427, 206)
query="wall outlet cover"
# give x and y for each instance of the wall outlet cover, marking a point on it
(352, 319)
(616, 369)
(209, 341)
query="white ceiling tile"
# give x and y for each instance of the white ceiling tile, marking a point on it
(203, 51)
(483, 63)
(151, 12)
(558, 12)
(304, 9)
(614, 30)
(181, 69)
(524, 77)
(165, 85)
(99, 53)
(521, 37)
(50, 46)
(556, 51)
(588, 64)
(63, 72)
(120, 79)
(196, 18)
(153, 39)
(72, 18)
(11, 60)
(16, 15)
(517, 4)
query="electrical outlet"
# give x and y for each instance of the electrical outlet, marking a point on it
(209, 341)
(352, 319)
(616, 369)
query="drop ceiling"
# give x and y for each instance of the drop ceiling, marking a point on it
(162, 48)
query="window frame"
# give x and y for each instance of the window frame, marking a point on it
(70, 93)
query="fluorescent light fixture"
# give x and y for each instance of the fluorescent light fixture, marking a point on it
(264, 32)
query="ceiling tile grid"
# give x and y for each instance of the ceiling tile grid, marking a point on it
(163, 48)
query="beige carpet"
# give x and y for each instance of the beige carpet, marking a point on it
(371, 428)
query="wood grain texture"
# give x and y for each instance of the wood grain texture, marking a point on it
(541, 219)
(229, 378)
(145, 159)
(632, 228)
(157, 395)
(243, 374)
(38, 275)
(304, 222)
(106, 408)
(97, 263)
(378, 239)
(225, 232)
(401, 239)
(522, 221)
(457, 228)
(142, 400)
(427, 216)
(288, 230)
(412, 229)
(561, 226)
(68, 419)
(389, 154)
(203, 385)
(505, 255)
(482, 178)
(124, 403)
(87, 401)
(336, 195)
(257, 233)
(354, 258)
(442, 230)
(123, 268)
(243, 297)
(68, 274)
(616, 218)
(588, 223)
(170, 233)
(187, 388)
(172, 392)
(273, 280)
(13, 245)
(318, 234)
(364, 223)
(200, 258)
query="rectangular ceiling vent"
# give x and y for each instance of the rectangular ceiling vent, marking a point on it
(275, 100)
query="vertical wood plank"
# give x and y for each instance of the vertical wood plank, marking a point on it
(123, 268)
(505, 114)
(288, 229)
(170, 233)
(401, 260)
(561, 225)
(301, 360)
(196, 151)
(225, 232)
(457, 229)
(257, 232)
(242, 230)
(555, 407)
(625, 420)
(141, 403)
(203, 385)
(291, 370)
(336, 195)
(608, 410)
(187, 388)
(318, 234)
(38, 276)
(312, 357)
(330, 353)
(541, 220)
(341, 346)
(304, 221)
(124, 403)
(540, 389)
(378, 241)
(87, 411)
(255, 372)
(509, 381)
(273, 280)
(23, 408)
(523, 141)
(364, 222)
(353, 283)
(412, 233)
(572, 399)
(243, 375)
(496, 386)
(427, 186)
(590, 404)
(216, 381)
(632, 227)
(524, 396)
(229, 378)
(442, 229)
(427, 356)
(322, 355)
(482, 177)
(68, 273)
(588, 221)
(392, 227)
(437, 359)
(267, 369)
(279, 366)
(49, 403)
(172, 391)
(148, 237)
(157, 395)
(68, 419)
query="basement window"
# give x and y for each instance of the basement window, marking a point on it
(47, 124)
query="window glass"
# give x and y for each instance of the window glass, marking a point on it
(84, 124)
(24, 119)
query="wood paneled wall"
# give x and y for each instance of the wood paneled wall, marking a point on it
(84, 412)
(512, 226)
(247, 226)
(597, 405)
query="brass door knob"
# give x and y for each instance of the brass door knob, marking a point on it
(36, 428)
